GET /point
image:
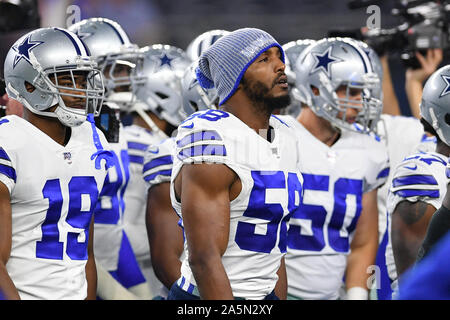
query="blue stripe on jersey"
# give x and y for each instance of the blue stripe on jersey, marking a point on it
(280, 120)
(199, 136)
(383, 173)
(203, 150)
(158, 162)
(2, 121)
(136, 159)
(406, 193)
(137, 146)
(152, 176)
(8, 171)
(414, 179)
(4, 155)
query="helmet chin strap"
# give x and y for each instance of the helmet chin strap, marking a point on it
(140, 111)
(435, 125)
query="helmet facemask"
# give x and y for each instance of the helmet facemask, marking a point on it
(120, 71)
(58, 83)
(334, 108)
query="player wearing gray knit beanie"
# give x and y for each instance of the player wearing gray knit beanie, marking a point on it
(224, 63)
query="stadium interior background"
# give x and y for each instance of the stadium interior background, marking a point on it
(177, 22)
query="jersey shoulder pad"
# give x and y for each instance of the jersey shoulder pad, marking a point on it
(201, 137)
(158, 162)
(416, 176)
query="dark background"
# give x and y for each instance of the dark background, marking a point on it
(177, 22)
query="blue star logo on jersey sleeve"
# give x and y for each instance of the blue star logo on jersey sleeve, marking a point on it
(23, 50)
(447, 87)
(323, 61)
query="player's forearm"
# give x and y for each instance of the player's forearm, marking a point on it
(7, 287)
(167, 268)
(357, 264)
(91, 277)
(212, 280)
(281, 285)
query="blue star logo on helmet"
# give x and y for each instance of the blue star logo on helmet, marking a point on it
(165, 60)
(323, 61)
(23, 50)
(447, 87)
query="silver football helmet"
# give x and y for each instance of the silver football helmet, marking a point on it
(292, 51)
(40, 58)
(195, 97)
(435, 104)
(203, 42)
(117, 57)
(326, 66)
(160, 92)
(377, 91)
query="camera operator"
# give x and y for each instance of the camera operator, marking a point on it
(414, 78)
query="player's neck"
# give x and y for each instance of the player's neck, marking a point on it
(139, 121)
(443, 149)
(52, 127)
(318, 127)
(251, 115)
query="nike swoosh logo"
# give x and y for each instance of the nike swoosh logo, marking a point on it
(411, 168)
(188, 126)
(155, 150)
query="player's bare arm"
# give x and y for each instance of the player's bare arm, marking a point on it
(6, 285)
(409, 225)
(91, 270)
(205, 191)
(281, 286)
(364, 244)
(164, 235)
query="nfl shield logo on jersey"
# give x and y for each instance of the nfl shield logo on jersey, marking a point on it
(68, 157)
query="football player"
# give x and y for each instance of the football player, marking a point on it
(235, 178)
(117, 57)
(402, 136)
(429, 279)
(335, 231)
(155, 114)
(165, 235)
(51, 168)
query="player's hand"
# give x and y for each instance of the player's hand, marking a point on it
(429, 64)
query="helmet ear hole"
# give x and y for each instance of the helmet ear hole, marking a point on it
(30, 88)
(447, 118)
(315, 90)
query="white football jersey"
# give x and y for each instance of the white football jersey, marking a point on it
(402, 136)
(110, 207)
(321, 230)
(138, 139)
(158, 162)
(54, 190)
(419, 177)
(271, 187)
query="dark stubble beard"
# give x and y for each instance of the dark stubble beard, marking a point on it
(265, 103)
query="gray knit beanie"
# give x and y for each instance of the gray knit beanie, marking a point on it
(224, 63)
